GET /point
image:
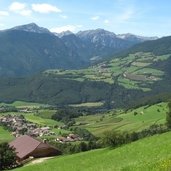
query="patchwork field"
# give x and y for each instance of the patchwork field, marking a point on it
(135, 71)
(148, 154)
(132, 120)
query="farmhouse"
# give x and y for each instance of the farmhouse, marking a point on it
(69, 138)
(26, 146)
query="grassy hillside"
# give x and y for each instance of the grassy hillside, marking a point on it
(132, 120)
(151, 153)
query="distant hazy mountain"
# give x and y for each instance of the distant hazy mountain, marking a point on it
(24, 53)
(64, 33)
(135, 38)
(29, 49)
(32, 27)
(103, 43)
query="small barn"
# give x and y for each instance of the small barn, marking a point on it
(26, 146)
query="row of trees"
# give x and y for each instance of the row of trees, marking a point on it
(6, 108)
(168, 116)
(115, 138)
(70, 148)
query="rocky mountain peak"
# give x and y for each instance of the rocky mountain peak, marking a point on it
(32, 27)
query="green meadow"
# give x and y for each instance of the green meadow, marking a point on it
(23, 104)
(5, 136)
(148, 154)
(41, 121)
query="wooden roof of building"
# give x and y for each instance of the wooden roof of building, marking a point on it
(24, 145)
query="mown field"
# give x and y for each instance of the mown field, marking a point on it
(22, 104)
(132, 120)
(148, 154)
(136, 71)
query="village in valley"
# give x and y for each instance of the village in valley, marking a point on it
(17, 124)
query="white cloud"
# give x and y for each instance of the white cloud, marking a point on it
(20, 8)
(95, 18)
(106, 21)
(45, 8)
(4, 13)
(71, 28)
(17, 6)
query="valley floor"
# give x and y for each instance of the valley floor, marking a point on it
(149, 154)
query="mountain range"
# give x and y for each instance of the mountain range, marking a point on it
(29, 49)
(139, 75)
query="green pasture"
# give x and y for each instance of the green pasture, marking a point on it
(148, 154)
(132, 120)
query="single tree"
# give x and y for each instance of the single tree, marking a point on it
(7, 156)
(168, 116)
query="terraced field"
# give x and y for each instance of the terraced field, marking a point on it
(135, 71)
(132, 120)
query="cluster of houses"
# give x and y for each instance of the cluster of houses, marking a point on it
(20, 126)
(69, 138)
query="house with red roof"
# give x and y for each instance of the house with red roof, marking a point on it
(26, 146)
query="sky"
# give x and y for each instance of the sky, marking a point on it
(140, 17)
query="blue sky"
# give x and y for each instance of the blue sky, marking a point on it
(141, 17)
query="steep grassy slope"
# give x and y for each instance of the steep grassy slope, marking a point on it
(151, 153)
